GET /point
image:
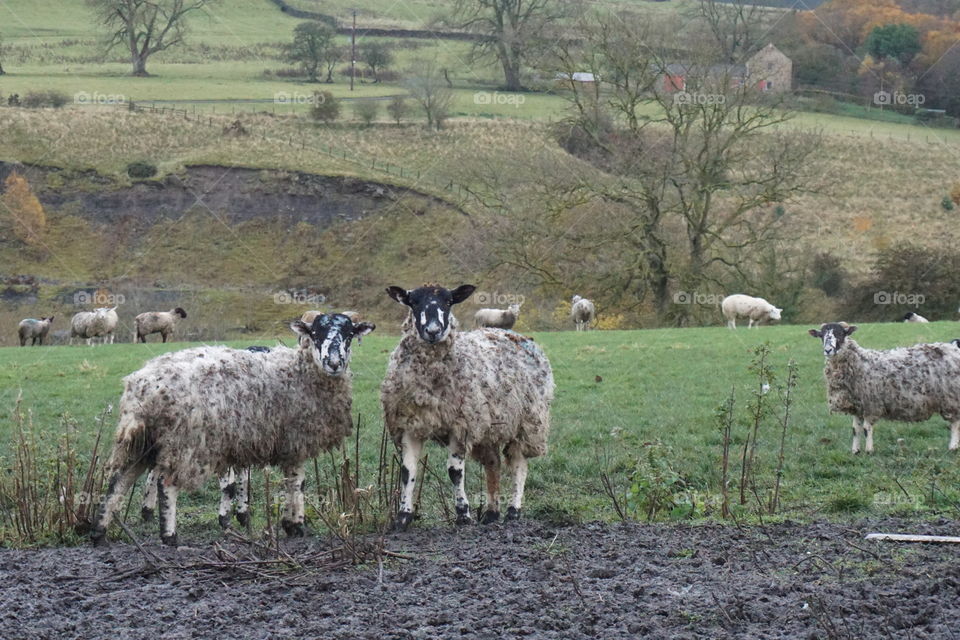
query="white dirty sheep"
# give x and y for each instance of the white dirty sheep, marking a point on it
(189, 414)
(497, 318)
(908, 384)
(756, 309)
(33, 330)
(99, 323)
(583, 312)
(162, 322)
(914, 317)
(478, 393)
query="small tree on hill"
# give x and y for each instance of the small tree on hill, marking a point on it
(326, 108)
(367, 111)
(23, 209)
(398, 108)
(311, 48)
(898, 41)
(377, 57)
(427, 86)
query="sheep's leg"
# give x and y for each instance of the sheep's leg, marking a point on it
(517, 465)
(455, 466)
(168, 511)
(243, 497)
(149, 504)
(292, 520)
(228, 491)
(408, 477)
(491, 468)
(954, 435)
(868, 427)
(120, 484)
(856, 435)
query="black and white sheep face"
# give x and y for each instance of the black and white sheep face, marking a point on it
(331, 336)
(833, 335)
(431, 307)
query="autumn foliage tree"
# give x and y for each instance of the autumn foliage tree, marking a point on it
(23, 210)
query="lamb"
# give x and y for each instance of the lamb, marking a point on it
(914, 317)
(162, 322)
(756, 309)
(477, 393)
(497, 318)
(34, 330)
(908, 384)
(99, 323)
(191, 413)
(583, 313)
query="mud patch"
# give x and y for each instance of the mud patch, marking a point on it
(523, 579)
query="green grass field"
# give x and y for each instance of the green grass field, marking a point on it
(650, 423)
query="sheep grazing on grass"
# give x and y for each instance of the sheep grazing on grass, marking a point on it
(583, 312)
(913, 317)
(99, 323)
(497, 318)
(756, 309)
(189, 414)
(908, 384)
(162, 322)
(33, 330)
(477, 393)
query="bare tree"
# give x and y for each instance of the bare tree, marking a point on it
(145, 27)
(514, 32)
(427, 87)
(3, 54)
(734, 25)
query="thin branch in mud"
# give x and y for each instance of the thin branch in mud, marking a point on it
(726, 615)
(573, 581)
(152, 560)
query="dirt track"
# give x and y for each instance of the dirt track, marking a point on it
(520, 580)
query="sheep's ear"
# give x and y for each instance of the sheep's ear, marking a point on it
(816, 333)
(851, 329)
(300, 328)
(362, 329)
(399, 294)
(463, 292)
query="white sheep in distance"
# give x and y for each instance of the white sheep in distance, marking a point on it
(907, 384)
(497, 318)
(914, 317)
(756, 309)
(162, 322)
(99, 323)
(478, 393)
(33, 330)
(583, 313)
(192, 413)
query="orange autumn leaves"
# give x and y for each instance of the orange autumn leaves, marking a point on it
(21, 211)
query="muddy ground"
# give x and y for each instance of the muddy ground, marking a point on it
(529, 580)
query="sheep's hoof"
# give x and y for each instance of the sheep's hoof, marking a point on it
(98, 538)
(489, 517)
(224, 520)
(243, 517)
(293, 529)
(146, 514)
(513, 513)
(402, 521)
(463, 519)
(170, 541)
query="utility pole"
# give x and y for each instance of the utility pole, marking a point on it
(353, 49)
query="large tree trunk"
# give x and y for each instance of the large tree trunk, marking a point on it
(511, 68)
(140, 66)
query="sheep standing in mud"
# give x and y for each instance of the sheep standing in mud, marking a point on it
(583, 313)
(189, 414)
(756, 309)
(907, 384)
(162, 322)
(33, 330)
(497, 318)
(480, 393)
(99, 323)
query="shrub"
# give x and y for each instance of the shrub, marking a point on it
(827, 273)
(49, 98)
(367, 110)
(141, 170)
(947, 203)
(398, 108)
(326, 108)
